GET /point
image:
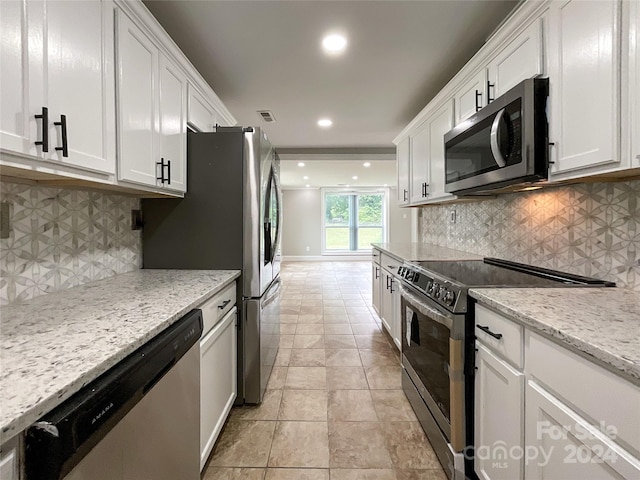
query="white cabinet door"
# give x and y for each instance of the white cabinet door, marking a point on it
(583, 85)
(80, 83)
(376, 276)
(499, 416)
(21, 70)
(634, 85)
(520, 59)
(386, 301)
(218, 384)
(137, 64)
(173, 125)
(471, 97)
(396, 318)
(419, 164)
(402, 168)
(200, 115)
(567, 446)
(439, 124)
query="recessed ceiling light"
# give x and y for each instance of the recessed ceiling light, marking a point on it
(347, 185)
(325, 122)
(367, 164)
(334, 43)
(355, 177)
(305, 177)
(301, 164)
(385, 185)
(307, 185)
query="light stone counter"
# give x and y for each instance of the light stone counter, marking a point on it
(604, 323)
(417, 252)
(55, 344)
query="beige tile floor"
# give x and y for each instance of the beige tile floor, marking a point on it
(334, 408)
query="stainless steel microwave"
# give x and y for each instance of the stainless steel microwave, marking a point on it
(503, 146)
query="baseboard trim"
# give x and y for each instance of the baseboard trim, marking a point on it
(326, 258)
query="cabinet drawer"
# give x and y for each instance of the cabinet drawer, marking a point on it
(595, 393)
(509, 345)
(217, 307)
(375, 256)
(390, 263)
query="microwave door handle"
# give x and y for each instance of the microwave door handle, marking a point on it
(495, 148)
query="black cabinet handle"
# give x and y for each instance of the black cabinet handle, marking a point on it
(45, 129)
(161, 165)
(489, 87)
(478, 100)
(405, 194)
(391, 285)
(388, 282)
(224, 304)
(487, 330)
(169, 172)
(377, 273)
(63, 126)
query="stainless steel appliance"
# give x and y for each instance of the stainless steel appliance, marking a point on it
(438, 357)
(138, 420)
(230, 218)
(503, 145)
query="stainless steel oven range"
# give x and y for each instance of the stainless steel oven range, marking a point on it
(438, 344)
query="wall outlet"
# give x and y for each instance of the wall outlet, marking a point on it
(5, 224)
(453, 216)
(307, 249)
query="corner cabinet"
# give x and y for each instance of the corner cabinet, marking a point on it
(152, 111)
(584, 97)
(57, 101)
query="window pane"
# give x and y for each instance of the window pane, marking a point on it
(337, 238)
(369, 210)
(337, 210)
(367, 236)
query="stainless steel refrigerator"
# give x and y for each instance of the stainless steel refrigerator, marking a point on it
(230, 218)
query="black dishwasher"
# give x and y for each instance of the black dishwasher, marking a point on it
(58, 441)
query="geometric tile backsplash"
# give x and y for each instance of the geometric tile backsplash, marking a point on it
(590, 229)
(62, 238)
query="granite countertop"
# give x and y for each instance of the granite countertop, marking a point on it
(604, 323)
(55, 344)
(417, 252)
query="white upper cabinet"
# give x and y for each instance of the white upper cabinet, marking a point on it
(634, 85)
(583, 87)
(152, 122)
(402, 168)
(439, 124)
(471, 97)
(21, 95)
(201, 116)
(137, 63)
(58, 82)
(419, 164)
(173, 125)
(520, 59)
(80, 84)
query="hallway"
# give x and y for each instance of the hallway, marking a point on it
(334, 408)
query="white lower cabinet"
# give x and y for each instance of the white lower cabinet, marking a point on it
(218, 382)
(390, 306)
(567, 447)
(376, 275)
(499, 417)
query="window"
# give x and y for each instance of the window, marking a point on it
(352, 221)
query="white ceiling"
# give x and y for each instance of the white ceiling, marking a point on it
(332, 173)
(266, 55)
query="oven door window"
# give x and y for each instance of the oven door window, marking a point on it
(425, 344)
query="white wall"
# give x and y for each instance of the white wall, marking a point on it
(399, 220)
(301, 222)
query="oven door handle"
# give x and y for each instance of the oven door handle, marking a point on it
(426, 309)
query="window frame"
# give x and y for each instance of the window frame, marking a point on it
(351, 191)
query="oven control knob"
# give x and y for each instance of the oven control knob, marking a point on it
(440, 293)
(409, 275)
(432, 288)
(449, 298)
(437, 289)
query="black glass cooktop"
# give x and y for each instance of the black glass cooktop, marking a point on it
(495, 273)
